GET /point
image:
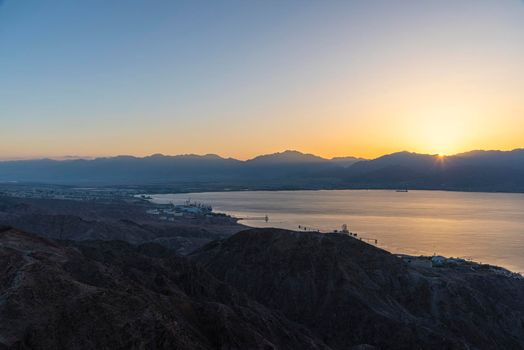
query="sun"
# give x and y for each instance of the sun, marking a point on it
(443, 129)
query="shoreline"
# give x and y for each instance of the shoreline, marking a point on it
(388, 228)
(322, 189)
(425, 261)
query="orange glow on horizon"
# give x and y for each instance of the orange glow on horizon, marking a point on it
(362, 79)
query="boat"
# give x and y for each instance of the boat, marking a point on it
(402, 190)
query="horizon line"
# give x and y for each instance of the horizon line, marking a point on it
(91, 158)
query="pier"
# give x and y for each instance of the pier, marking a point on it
(252, 218)
(343, 230)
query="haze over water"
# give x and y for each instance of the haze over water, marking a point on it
(485, 227)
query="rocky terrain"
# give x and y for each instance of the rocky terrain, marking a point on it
(259, 289)
(86, 220)
(349, 293)
(111, 295)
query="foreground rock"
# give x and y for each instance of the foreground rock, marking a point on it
(111, 295)
(260, 289)
(352, 294)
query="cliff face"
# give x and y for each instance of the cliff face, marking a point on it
(349, 293)
(111, 295)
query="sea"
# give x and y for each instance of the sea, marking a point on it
(484, 227)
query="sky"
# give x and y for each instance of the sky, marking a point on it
(242, 78)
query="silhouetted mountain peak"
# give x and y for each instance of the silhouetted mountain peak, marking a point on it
(405, 155)
(491, 153)
(472, 171)
(157, 155)
(289, 156)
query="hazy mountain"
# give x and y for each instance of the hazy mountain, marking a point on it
(403, 160)
(473, 171)
(159, 168)
(287, 158)
(346, 161)
(296, 157)
(120, 169)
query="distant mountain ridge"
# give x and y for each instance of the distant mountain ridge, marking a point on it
(288, 157)
(470, 171)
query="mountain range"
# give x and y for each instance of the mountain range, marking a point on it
(471, 171)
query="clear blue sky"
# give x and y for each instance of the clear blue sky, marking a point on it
(238, 78)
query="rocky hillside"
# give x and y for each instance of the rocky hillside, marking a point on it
(111, 295)
(349, 293)
(84, 220)
(259, 289)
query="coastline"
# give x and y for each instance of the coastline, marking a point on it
(396, 230)
(168, 190)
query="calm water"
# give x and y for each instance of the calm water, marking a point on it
(484, 227)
